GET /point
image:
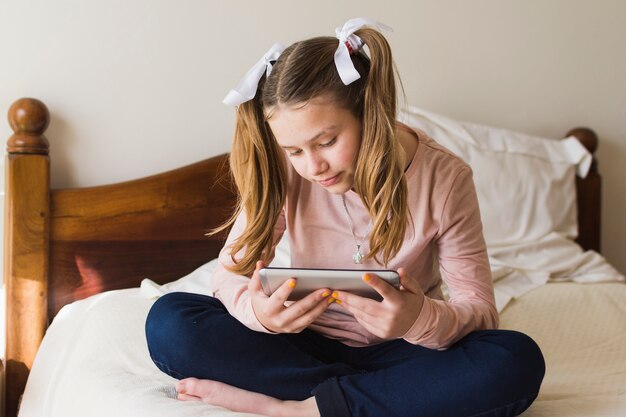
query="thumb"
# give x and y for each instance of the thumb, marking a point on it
(408, 283)
(255, 282)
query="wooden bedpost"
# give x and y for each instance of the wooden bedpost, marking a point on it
(26, 238)
(589, 192)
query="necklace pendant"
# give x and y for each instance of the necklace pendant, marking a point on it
(357, 257)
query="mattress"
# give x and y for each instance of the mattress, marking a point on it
(94, 359)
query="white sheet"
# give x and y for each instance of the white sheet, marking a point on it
(526, 266)
(94, 359)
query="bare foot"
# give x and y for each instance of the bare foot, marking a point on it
(237, 399)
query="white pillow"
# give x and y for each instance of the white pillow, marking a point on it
(525, 184)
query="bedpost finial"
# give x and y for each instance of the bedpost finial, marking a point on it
(586, 136)
(29, 118)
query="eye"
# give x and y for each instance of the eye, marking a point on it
(295, 153)
(329, 143)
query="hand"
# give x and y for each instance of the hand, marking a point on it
(392, 317)
(272, 312)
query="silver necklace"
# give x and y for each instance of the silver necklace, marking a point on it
(358, 256)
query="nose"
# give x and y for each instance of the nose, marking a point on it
(317, 165)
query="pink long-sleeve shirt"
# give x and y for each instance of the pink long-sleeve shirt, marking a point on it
(444, 240)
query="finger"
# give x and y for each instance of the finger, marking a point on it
(381, 286)
(283, 292)
(354, 303)
(362, 303)
(371, 322)
(306, 304)
(321, 303)
(274, 304)
(354, 300)
(255, 282)
(408, 283)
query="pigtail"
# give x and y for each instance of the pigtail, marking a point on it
(258, 170)
(379, 176)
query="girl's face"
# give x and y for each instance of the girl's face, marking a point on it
(321, 141)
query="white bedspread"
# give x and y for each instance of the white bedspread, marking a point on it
(94, 362)
(582, 333)
(94, 359)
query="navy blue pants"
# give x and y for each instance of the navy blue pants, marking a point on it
(487, 373)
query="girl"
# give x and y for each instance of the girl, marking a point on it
(318, 152)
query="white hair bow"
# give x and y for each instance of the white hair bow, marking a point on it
(246, 89)
(349, 42)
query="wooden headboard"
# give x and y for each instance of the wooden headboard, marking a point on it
(64, 245)
(67, 244)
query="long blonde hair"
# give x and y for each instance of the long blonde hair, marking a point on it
(306, 70)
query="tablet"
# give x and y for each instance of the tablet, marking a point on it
(310, 279)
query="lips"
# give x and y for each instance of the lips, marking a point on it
(329, 181)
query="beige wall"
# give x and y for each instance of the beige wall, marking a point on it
(135, 87)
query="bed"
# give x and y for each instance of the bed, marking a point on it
(83, 266)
